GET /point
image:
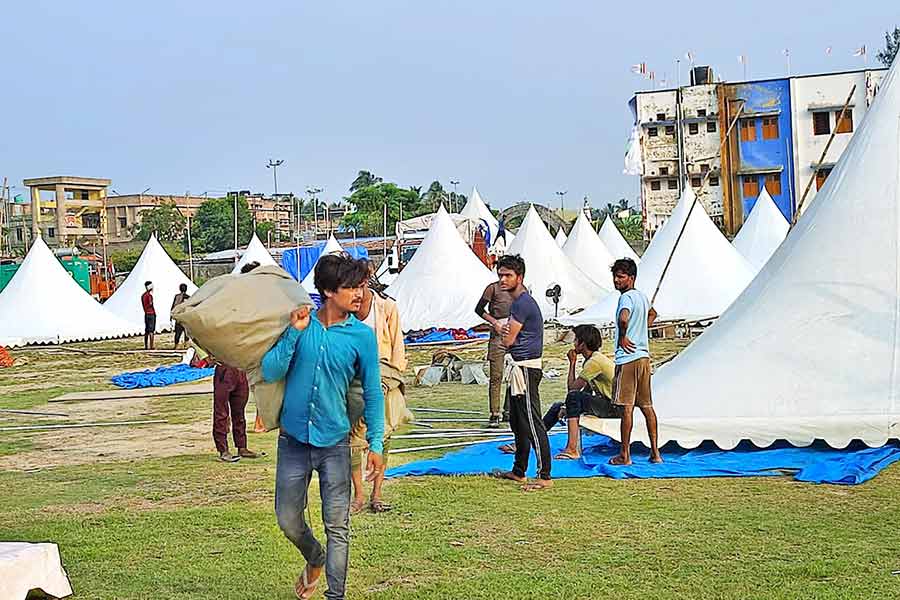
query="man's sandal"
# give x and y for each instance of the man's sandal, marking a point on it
(304, 588)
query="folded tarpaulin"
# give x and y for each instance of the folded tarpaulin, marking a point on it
(309, 255)
(430, 336)
(817, 463)
(160, 376)
(25, 567)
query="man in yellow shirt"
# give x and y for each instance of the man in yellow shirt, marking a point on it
(590, 392)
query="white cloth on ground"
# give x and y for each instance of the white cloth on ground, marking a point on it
(25, 567)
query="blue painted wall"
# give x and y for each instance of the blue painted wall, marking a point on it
(765, 96)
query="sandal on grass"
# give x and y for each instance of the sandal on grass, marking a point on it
(379, 506)
(304, 588)
(357, 507)
(507, 448)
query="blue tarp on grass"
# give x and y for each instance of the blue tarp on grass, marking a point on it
(817, 463)
(444, 335)
(159, 377)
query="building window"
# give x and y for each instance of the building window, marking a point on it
(670, 130)
(847, 125)
(713, 181)
(123, 222)
(701, 112)
(821, 123)
(664, 170)
(770, 128)
(704, 169)
(693, 128)
(696, 181)
(660, 116)
(655, 186)
(673, 184)
(750, 185)
(51, 231)
(748, 130)
(20, 237)
(821, 176)
(711, 126)
(773, 184)
(651, 132)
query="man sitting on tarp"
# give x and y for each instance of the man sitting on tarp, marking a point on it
(318, 355)
(590, 392)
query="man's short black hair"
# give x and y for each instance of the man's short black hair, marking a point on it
(339, 269)
(624, 265)
(146, 283)
(249, 266)
(513, 262)
(589, 336)
(182, 288)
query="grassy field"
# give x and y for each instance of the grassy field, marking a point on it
(146, 512)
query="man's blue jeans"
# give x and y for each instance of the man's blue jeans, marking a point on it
(296, 463)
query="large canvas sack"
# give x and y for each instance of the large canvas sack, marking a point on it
(238, 318)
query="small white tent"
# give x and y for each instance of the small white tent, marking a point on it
(255, 252)
(704, 277)
(43, 304)
(477, 210)
(762, 232)
(584, 248)
(442, 282)
(560, 237)
(811, 349)
(156, 266)
(309, 282)
(546, 265)
(615, 243)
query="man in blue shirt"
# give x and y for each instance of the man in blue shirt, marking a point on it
(523, 335)
(631, 387)
(318, 355)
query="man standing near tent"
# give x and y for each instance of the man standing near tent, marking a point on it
(634, 317)
(149, 315)
(523, 335)
(380, 314)
(180, 297)
(497, 301)
(318, 355)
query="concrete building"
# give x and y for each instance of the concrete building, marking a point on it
(123, 211)
(64, 210)
(782, 128)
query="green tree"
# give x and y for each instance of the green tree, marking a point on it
(369, 202)
(263, 229)
(435, 195)
(632, 228)
(363, 180)
(213, 226)
(165, 220)
(891, 46)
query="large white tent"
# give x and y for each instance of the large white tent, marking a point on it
(704, 276)
(255, 252)
(43, 304)
(615, 243)
(476, 209)
(811, 349)
(584, 248)
(309, 282)
(560, 237)
(154, 265)
(762, 232)
(546, 265)
(442, 282)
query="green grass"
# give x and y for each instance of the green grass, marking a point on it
(192, 528)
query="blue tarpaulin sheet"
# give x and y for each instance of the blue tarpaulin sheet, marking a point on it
(309, 255)
(161, 376)
(817, 463)
(443, 335)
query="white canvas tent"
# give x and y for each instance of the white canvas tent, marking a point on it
(811, 349)
(560, 237)
(309, 282)
(762, 232)
(477, 210)
(156, 266)
(255, 252)
(442, 282)
(43, 304)
(615, 243)
(584, 248)
(704, 277)
(546, 265)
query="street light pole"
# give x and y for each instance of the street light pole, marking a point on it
(455, 195)
(562, 195)
(274, 164)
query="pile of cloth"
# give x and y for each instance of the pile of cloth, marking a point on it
(433, 334)
(6, 359)
(161, 376)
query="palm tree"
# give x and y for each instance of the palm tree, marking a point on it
(435, 194)
(363, 180)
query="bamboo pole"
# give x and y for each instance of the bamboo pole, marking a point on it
(812, 178)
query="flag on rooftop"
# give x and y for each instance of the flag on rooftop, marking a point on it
(861, 51)
(828, 51)
(639, 68)
(690, 56)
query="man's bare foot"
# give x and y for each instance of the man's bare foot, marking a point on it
(357, 505)
(620, 460)
(656, 458)
(537, 485)
(509, 475)
(305, 586)
(568, 454)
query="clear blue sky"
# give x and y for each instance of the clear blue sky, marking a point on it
(521, 97)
